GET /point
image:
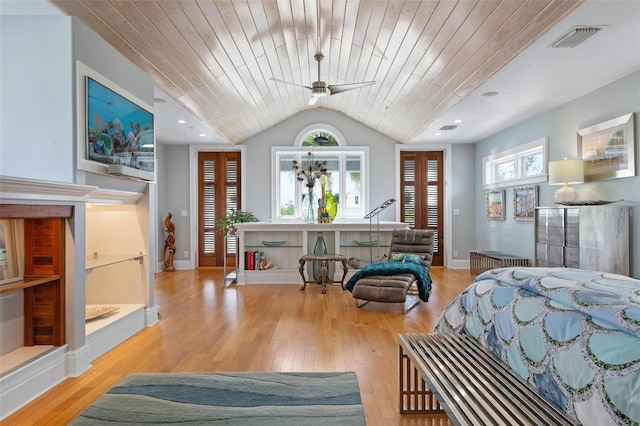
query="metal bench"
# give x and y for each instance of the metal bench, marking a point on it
(481, 261)
(454, 374)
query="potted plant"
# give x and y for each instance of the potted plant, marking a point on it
(226, 224)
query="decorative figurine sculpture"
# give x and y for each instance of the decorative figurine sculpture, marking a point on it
(169, 244)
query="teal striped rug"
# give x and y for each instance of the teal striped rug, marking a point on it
(230, 398)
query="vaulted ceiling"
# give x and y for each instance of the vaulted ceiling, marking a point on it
(217, 57)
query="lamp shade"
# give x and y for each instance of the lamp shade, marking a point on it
(565, 171)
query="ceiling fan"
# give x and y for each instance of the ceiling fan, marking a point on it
(320, 88)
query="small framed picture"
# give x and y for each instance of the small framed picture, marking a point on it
(525, 201)
(495, 204)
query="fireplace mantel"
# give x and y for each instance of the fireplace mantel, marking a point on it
(25, 189)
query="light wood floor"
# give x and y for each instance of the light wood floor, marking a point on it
(205, 326)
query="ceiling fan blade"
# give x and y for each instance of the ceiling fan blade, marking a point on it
(288, 82)
(339, 88)
(313, 100)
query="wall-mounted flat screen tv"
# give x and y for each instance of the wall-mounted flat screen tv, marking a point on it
(119, 132)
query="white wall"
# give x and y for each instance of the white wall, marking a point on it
(561, 126)
(175, 193)
(37, 98)
(463, 201)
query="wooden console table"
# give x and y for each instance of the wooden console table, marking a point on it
(485, 260)
(324, 276)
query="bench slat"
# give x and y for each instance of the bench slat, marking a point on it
(505, 382)
(474, 386)
(455, 387)
(480, 391)
(500, 375)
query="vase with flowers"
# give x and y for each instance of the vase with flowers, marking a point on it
(308, 172)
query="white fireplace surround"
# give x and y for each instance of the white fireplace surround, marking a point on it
(35, 370)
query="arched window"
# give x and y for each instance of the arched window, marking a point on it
(345, 183)
(346, 178)
(320, 135)
(319, 138)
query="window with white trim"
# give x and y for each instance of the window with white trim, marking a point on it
(346, 180)
(524, 164)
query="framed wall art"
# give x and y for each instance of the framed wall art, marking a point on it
(525, 201)
(495, 204)
(608, 149)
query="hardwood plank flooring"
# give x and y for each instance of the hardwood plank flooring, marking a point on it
(205, 326)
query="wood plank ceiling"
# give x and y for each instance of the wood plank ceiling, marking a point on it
(216, 57)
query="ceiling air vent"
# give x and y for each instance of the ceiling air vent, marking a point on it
(448, 127)
(575, 36)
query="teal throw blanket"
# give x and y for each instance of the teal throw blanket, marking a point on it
(392, 268)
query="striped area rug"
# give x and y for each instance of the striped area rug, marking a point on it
(230, 398)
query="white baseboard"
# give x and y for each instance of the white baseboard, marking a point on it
(78, 361)
(152, 315)
(180, 265)
(29, 382)
(459, 264)
(107, 338)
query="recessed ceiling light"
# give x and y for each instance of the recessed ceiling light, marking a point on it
(457, 121)
(181, 121)
(202, 135)
(490, 94)
(438, 134)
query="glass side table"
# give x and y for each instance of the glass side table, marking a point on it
(230, 241)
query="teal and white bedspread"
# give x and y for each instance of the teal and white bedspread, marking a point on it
(573, 334)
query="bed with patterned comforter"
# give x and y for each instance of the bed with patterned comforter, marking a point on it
(573, 334)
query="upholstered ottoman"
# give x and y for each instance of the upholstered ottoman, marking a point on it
(382, 288)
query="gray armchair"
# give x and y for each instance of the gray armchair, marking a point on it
(394, 288)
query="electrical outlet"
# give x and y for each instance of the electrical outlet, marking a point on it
(185, 254)
(455, 253)
(184, 213)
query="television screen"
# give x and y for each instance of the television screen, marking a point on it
(118, 131)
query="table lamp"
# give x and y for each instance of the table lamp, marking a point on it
(566, 172)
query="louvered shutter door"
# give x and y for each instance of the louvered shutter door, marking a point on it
(219, 192)
(421, 175)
